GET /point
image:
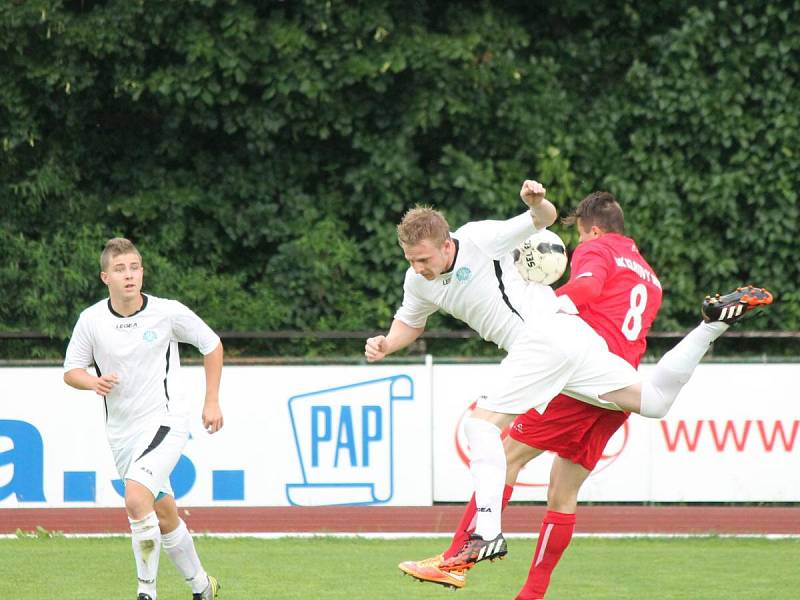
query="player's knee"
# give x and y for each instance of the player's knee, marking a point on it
(655, 404)
(138, 500)
(168, 520)
(561, 500)
(654, 412)
(137, 509)
(562, 494)
(475, 428)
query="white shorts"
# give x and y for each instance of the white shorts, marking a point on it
(559, 354)
(150, 457)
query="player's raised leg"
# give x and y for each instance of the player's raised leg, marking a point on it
(656, 395)
(676, 367)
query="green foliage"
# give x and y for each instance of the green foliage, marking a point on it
(707, 148)
(261, 153)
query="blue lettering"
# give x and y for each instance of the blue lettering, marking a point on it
(322, 431)
(345, 438)
(316, 436)
(366, 436)
(27, 458)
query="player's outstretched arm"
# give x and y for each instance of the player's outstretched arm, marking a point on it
(400, 335)
(212, 413)
(80, 379)
(543, 211)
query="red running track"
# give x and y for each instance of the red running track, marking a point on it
(428, 519)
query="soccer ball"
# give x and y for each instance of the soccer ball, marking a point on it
(542, 258)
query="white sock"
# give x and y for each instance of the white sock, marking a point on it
(146, 542)
(179, 546)
(488, 468)
(671, 373)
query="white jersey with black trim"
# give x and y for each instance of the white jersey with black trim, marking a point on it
(142, 350)
(483, 288)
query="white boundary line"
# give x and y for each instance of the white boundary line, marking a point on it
(409, 535)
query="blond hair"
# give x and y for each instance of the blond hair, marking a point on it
(423, 223)
(115, 247)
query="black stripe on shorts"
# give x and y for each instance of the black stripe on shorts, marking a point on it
(162, 432)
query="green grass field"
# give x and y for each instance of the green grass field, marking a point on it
(355, 568)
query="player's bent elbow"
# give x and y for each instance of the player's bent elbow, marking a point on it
(70, 378)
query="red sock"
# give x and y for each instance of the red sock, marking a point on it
(467, 524)
(554, 537)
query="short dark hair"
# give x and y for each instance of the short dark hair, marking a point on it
(600, 209)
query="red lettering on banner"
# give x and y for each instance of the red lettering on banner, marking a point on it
(681, 430)
(730, 428)
(727, 434)
(777, 428)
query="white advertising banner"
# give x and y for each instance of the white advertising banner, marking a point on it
(393, 435)
(306, 436)
(732, 436)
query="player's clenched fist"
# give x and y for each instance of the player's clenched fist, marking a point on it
(375, 348)
(532, 192)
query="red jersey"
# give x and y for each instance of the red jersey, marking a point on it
(616, 292)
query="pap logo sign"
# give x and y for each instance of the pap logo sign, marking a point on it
(345, 442)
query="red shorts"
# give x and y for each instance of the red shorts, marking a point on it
(572, 429)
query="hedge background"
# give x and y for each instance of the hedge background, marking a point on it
(261, 153)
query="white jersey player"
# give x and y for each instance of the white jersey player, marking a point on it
(550, 349)
(482, 287)
(131, 342)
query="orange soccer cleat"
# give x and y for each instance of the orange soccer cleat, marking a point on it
(428, 571)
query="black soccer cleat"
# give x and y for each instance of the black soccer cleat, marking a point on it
(474, 550)
(732, 307)
(143, 596)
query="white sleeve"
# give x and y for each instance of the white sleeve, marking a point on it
(497, 238)
(79, 353)
(188, 328)
(415, 310)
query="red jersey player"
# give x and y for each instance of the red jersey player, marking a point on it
(615, 291)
